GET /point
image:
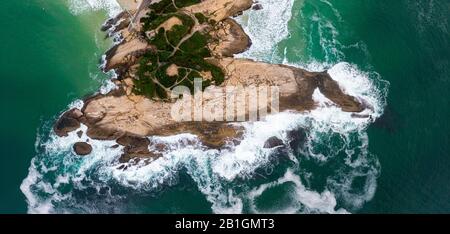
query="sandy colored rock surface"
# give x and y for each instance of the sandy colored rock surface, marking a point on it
(129, 4)
(129, 118)
(230, 39)
(219, 10)
(141, 116)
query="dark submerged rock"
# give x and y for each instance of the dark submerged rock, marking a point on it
(257, 7)
(136, 148)
(389, 121)
(112, 22)
(273, 142)
(297, 138)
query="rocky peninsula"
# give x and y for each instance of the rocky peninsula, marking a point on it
(167, 43)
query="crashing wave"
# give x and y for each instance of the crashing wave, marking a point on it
(266, 27)
(216, 172)
(332, 172)
(82, 6)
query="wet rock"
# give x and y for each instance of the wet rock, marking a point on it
(160, 147)
(136, 148)
(359, 116)
(121, 25)
(133, 141)
(79, 134)
(116, 115)
(330, 88)
(99, 133)
(257, 7)
(216, 136)
(136, 155)
(273, 142)
(296, 138)
(112, 22)
(66, 125)
(82, 148)
(68, 122)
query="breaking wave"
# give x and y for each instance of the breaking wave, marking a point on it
(266, 27)
(82, 6)
(330, 170)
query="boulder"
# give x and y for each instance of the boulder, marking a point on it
(135, 148)
(82, 148)
(273, 142)
(68, 122)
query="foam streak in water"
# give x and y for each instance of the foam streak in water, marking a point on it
(266, 27)
(60, 182)
(82, 6)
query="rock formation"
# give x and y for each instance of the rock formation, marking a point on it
(130, 117)
(82, 148)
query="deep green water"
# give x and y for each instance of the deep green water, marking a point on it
(49, 58)
(47, 55)
(407, 42)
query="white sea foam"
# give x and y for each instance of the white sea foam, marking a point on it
(266, 27)
(107, 87)
(212, 170)
(217, 172)
(82, 6)
(61, 160)
(303, 200)
(78, 104)
(328, 38)
(249, 155)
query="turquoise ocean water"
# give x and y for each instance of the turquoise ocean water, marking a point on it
(393, 54)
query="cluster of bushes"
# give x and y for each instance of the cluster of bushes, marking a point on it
(171, 49)
(170, 6)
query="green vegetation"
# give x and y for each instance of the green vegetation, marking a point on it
(180, 46)
(185, 3)
(201, 18)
